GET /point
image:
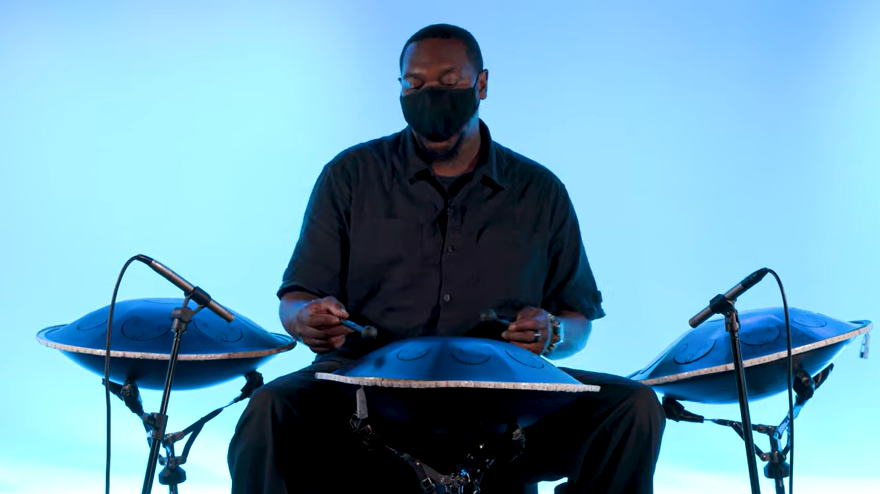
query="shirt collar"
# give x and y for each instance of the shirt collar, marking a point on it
(487, 171)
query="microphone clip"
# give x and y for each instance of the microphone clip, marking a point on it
(184, 315)
(722, 305)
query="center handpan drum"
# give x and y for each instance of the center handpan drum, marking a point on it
(212, 351)
(458, 385)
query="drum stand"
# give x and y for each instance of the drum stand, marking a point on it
(172, 474)
(777, 468)
(484, 456)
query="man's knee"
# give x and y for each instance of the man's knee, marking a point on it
(289, 396)
(267, 399)
(645, 407)
(644, 396)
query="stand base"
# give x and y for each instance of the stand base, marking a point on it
(172, 476)
(467, 479)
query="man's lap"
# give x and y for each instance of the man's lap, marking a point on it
(323, 409)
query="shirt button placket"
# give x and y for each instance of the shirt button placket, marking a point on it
(450, 235)
(450, 225)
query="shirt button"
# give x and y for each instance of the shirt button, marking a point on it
(446, 298)
(449, 248)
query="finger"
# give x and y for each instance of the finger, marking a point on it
(321, 341)
(336, 341)
(523, 336)
(326, 305)
(528, 312)
(320, 348)
(335, 307)
(322, 333)
(530, 324)
(319, 320)
(321, 345)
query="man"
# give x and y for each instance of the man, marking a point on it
(418, 233)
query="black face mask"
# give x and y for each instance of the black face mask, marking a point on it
(437, 113)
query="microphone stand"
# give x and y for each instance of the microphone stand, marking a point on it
(722, 305)
(181, 316)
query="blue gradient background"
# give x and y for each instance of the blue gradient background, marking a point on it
(699, 140)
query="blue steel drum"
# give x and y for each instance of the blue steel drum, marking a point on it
(212, 351)
(698, 366)
(458, 385)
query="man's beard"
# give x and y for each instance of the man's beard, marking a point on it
(433, 156)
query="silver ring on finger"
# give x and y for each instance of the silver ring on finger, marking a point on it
(537, 337)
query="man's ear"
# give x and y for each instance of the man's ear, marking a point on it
(483, 84)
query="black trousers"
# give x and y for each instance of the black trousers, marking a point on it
(294, 437)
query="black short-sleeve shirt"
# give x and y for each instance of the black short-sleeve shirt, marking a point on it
(382, 235)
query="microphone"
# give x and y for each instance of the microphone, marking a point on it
(731, 295)
(198, 295)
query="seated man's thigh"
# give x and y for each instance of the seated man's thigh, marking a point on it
(322, 453)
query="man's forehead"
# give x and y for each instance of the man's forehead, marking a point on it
(435, 54)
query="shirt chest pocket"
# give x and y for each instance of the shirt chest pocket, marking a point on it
(382, 247)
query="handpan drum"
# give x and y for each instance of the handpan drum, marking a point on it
(212, 351)
(458, 385)
(698, 366)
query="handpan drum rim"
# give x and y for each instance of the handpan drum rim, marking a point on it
(157, 356)
(867, 326)
(421, 384)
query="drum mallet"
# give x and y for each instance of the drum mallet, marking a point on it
(368, 332)
(492, 316)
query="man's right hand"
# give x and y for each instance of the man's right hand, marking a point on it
(315, 322)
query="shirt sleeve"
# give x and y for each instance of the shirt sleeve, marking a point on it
(320, 258)
(570, 284)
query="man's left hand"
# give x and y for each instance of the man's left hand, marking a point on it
(530, 323)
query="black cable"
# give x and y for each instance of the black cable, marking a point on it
(790, 366)
(196, 428)
(107, 369)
